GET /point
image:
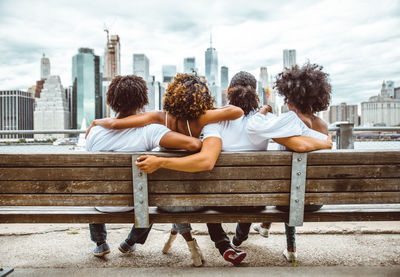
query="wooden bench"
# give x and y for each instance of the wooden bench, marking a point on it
(353, 185)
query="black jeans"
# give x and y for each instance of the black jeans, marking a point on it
(219, 237)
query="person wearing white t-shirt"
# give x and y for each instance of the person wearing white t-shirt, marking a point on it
(306, 91)
(126, 96)
(228, 136)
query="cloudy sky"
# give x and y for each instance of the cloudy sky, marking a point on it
(357, 42)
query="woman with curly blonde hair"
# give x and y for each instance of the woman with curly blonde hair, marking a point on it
(188, 107)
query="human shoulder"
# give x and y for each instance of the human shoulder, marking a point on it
(319, 125)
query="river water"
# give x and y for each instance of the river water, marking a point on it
(47, 148)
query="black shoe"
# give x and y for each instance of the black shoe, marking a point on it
(236, 242)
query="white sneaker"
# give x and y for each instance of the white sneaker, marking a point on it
(261, 230)
(291, 257)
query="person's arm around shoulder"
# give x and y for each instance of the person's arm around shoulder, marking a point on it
(202, 161)
(174, 140)
(304, 144)
(228, 112)
(132, 121)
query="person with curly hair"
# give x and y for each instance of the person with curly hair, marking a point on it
(229, 136)
(188, 107)
(126, 96)
(306, 91)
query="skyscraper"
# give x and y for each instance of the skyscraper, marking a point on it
(390, 88)
(111, 67)
(211, 58)
(224, 77)
(263, 88)
(189, 65)
(289, 58)
(141, 66)
(16, 112)
(44, 68)
(87, 96)
(168, 73)
(343, 112)
(52, 108)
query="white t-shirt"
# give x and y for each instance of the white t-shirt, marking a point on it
(263, 127)
(125, 140)
(233, 135)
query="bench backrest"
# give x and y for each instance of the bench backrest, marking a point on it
(238, 179)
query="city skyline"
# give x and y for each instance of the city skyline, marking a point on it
(357, 50)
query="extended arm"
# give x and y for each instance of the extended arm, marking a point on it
(202, 161)
(174, 140)
(220, 114)
(304, 144)
(132, 121)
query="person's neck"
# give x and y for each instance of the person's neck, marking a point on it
(122, 115)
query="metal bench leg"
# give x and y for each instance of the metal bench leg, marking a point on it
(140, 196)
(297, 189)
(5, 271)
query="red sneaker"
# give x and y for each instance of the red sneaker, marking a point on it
(235, 257)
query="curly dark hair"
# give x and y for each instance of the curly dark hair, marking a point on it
(127, 93)
(306, 88)
(244, 79)
(187, 97)
(245, 98)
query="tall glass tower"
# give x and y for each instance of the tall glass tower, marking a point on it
(289, 58)
(211, 56)
(141, 66)
(189, 65)
(44, 68)
(86, 78)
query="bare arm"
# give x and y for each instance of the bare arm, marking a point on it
(229, 112)
(132, 121)
(174, 140)
(202, 161)
(304, 144)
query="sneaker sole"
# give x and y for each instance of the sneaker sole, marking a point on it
(240, 256)
(123, 251)
(101, 254)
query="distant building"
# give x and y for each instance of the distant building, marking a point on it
(32, 90)
(224, 77)
(111, 62)
(381, 110)
(211, 62)
(16, 112)
(216, 94)
(168, 73)
(189, 65)
(141, 66)
(263, 90)
(289, 58)
(390, 88)
(154, 93)
(343, 112)
(397, 93)
(87, 92)
(51, 109)
(44, 68)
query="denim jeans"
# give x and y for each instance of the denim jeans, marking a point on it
(219, 237)
(98, 233)
(181, 228)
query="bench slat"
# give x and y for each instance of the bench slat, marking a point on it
(329, 213)
(240, 199)
(214, 186)
(331, 157)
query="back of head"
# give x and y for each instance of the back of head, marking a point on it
(127, 94)
(187, 97)
(242, 92)
(306, 88)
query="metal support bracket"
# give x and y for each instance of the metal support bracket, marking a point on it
(5, 271)
(297, 189)
(140, 195)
